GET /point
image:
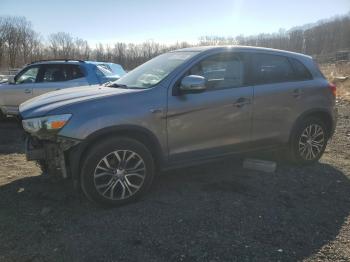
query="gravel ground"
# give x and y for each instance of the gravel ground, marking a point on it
(212, 212)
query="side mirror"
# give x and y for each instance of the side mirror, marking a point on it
(192, 84)
(11, 80)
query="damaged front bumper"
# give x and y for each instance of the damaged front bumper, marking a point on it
(51, 154)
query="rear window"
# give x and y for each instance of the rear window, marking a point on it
(271, 69)
(301, 72)
(104, 70)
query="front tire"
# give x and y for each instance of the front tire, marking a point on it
(117, 171)
(308, 141)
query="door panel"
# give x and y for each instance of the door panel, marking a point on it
(14, 94)
(272, 109)
(276, 107)
(276, 96)
(208, 123)
(22, 90)
(216, 121)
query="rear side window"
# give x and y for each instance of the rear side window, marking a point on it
(301, 72)
(61, 72)
(268, 69)
(54, 73)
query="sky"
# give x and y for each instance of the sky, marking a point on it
(135, 21)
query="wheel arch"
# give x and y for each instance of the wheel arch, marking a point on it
(319, 113)
(77, 154)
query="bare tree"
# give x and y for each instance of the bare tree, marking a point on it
(20, 44)
(81, 49)
(61, 45)
(15, 32)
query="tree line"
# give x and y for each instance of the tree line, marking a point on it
(21, 44)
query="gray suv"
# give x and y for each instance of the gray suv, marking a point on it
(180, 108)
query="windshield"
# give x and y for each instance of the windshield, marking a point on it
(110, 69)
(154, 71)
(105, 69)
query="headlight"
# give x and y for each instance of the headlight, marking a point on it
(49, 123)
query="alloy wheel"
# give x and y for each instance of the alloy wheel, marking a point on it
(311, 142)
(119, 175)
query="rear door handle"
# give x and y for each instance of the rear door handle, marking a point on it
(27, 91)
(240, 102)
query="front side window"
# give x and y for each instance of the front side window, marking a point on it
(271, 69)
(155, 70)
(221, 71)
(28, 76)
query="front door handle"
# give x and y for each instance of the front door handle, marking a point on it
(27, 91)
(156, 110)
(297, 92)
(240, 102)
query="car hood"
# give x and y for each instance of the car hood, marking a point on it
(4, 84)
(42, 105)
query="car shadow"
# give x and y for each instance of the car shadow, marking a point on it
(213, 212)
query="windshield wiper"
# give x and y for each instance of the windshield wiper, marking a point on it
(109, 84)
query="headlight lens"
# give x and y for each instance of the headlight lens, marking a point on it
(32, 125)
(50, 123)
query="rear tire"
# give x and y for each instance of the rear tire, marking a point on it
(117, 171)
(308, 141)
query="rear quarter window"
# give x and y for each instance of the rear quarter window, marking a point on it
(300, 70)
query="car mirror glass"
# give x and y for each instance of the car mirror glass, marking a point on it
(193, 84)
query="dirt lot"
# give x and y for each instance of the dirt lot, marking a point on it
(214, 212)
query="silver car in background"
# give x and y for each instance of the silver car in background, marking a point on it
(42, 77)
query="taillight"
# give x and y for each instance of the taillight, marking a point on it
(333, 88)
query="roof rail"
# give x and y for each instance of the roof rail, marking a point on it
(62, 59)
